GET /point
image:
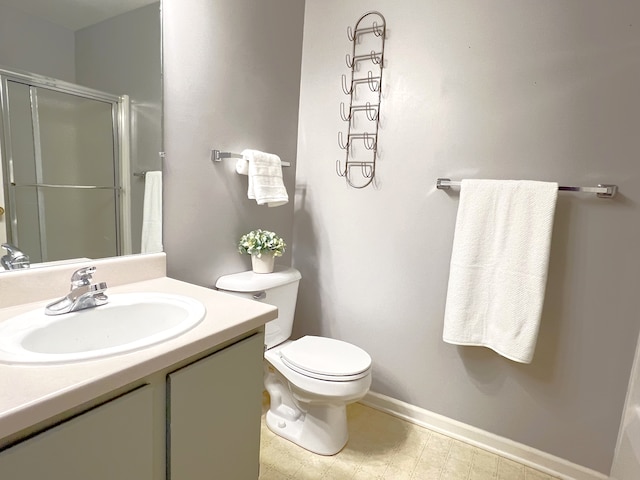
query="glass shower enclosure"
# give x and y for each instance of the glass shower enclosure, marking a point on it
(61, 147)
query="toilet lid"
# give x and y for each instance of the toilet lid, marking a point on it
(326, 358)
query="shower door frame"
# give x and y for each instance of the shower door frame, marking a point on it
(120, 125)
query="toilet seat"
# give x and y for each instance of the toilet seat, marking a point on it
(326, 359)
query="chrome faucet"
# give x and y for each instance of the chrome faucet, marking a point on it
(14, 259)
(83, 294)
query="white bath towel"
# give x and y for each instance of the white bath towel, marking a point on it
(152, 213)
(265, 177)
(499, 265)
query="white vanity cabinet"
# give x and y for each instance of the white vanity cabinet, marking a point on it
(214, 415)
(197, 419)
(110, 441)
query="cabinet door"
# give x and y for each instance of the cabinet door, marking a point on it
(214, 415)
(112, 441)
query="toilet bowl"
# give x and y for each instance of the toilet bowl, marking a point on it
(311, 380)
(307, 407)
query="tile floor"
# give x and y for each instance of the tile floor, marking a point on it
(385, 447)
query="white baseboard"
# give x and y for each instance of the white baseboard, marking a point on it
(504, 447)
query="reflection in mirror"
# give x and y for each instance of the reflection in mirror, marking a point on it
(80, 127)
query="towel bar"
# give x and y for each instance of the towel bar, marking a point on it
(77, 187)
(602, 190)
(217, 156)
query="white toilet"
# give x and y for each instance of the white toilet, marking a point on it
(310, 380)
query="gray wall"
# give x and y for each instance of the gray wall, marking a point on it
(232, 79)
(34, 45)
(502, 90)
(497, 89)
(122, 56)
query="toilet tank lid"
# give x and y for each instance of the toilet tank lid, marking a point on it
(254, 282)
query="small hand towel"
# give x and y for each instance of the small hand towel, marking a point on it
(499, 265)
(152, 213)
(242, 165)
(265, 177)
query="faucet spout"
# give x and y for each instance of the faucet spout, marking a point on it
(84, 294)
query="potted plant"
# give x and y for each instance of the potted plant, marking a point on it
(263, 246)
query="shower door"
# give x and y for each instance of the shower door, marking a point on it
(61, 172)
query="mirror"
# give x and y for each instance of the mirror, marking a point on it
(82, 79)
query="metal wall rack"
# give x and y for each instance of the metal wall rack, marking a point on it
(365, 94)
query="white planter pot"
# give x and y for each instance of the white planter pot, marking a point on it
(263, 264)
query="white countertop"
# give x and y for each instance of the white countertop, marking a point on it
(30, 394)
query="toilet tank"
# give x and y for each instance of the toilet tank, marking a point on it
(279, 289)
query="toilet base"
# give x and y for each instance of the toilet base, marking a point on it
(322, 429)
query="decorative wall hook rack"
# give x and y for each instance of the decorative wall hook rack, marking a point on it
(368, 35)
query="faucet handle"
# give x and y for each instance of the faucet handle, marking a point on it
(82, 277)
(12, 250)
(14, 258)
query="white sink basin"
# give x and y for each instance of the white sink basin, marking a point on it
(127, 323)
